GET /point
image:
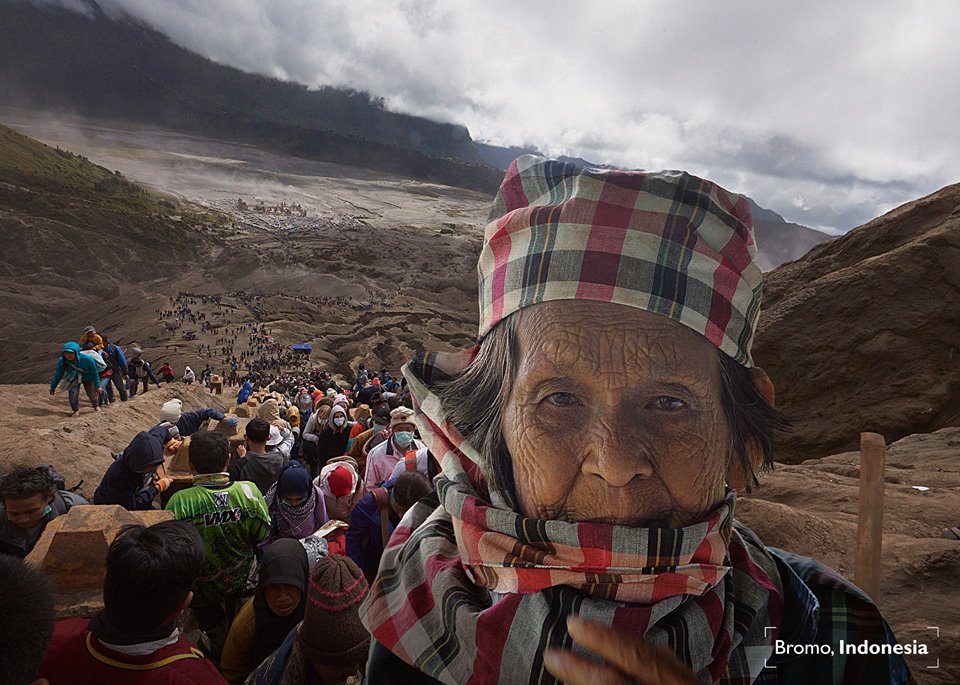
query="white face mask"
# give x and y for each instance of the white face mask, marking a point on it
(339, 421)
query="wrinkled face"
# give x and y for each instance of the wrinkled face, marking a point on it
(26, 512)
(615, 416)
(282, 599)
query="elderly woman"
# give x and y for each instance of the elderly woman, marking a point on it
(592, 446)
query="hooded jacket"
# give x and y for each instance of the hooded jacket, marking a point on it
(261, 469)
(122, 484)
(244, 393)
(83, 369)
(331, 441)
(269, 411)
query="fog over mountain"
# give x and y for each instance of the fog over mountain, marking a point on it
(830, 113)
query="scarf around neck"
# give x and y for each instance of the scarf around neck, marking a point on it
(470, 591)
(288, 521)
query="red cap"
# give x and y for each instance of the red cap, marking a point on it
(340, 481)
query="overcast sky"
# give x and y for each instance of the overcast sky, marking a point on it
(828, 112)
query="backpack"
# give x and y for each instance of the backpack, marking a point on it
(58, 479)
(96, 357)
(382, 497)
(410, 461)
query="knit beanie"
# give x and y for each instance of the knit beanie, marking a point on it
(170, 411)
(331, 632)
(401, 415)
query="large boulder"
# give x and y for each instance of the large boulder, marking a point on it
(73, 553)
(863, 333)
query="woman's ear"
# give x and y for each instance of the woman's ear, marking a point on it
(764, 385)
(737, 477)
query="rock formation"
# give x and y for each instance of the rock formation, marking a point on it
(862, 333)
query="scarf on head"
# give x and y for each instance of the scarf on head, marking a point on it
(472, 592)
(288, 520)
(285, 563)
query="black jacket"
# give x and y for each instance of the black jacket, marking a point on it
(124, 483)
(192, 421)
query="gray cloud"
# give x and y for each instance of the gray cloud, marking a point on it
(830, 113)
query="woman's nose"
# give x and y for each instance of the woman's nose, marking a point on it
(614, 458)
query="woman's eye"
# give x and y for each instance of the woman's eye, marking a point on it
(667, 403)
(562, 399)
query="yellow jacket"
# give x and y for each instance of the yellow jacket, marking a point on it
(235, 663)
(92, 338)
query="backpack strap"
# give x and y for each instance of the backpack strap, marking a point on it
(410, 461)
(382, 498)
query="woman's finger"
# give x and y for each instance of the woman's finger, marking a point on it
(631, 654)
(575, 670)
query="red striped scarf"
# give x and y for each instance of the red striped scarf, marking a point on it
(470, 592)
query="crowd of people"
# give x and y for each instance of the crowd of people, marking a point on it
(325, 472)
(553, 505)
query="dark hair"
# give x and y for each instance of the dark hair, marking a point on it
(754, 423)
(26, 481)
(409, 487)
(475, 400)
(26, 619)
(382, 416)
(209, 452)
(149, 573)
(258, 430)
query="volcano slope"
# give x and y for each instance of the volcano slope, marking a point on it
(392, 259)
(861, 334)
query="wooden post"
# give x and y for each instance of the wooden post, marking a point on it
(873, 456)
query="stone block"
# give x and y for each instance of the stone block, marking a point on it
(242, 411)
(179, 464)
(73, 552)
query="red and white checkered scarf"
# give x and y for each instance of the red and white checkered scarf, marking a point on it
(472, 592)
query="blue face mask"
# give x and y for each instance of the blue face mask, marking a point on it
(403, 438)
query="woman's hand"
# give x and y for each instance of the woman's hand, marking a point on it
(628, 659)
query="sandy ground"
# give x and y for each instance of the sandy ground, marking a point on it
(812, 509)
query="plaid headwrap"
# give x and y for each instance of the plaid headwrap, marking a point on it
(666, 242)
(465, 595)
